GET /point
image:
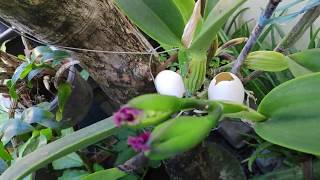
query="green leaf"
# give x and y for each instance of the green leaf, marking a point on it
(210, 4)
(4, 153)
(293, 116)
(35, 141)
(47, 133)
(34, 73)
(267, 61)
(97, 167)
(36, 115)
(26, 71)
(12, 90)
(13, 128)
(17, 73)
(73, 175)
(308, 59)
(56, 56)
(185, 7)
(70, 161)
(59, 148)
(110, 174)
(161, 20)
(124, 155)
(215, 20)
(234, 110)
(39, 51)
(296, 69)
(64, 92)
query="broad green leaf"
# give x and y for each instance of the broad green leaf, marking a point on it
(161, 20)
(110, 174)
(13, 128)
(73, 175)
(59, 148)
(70, 161)
(215, 20)
(64, 92)
(210, 4)
(4, 155)
(266, 61)
(293, 115)
(36, 114)
(307, 59)
(185, 7)
(296, 69)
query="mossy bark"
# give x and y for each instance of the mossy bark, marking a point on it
(94, 24)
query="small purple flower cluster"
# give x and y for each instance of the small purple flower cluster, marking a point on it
(132, 116)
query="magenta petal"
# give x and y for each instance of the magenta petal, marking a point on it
(140, 143)
(127, 115)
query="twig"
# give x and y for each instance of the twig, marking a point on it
(168, 62)
(135, 163)
(271, 7)
(298, 30)
(27, 46)
(9, 60)
(290, 39)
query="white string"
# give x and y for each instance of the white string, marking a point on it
(87, 50)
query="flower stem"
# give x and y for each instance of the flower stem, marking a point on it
(268, 12)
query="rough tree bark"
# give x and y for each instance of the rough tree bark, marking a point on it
(93, 24)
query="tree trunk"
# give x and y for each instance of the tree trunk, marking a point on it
(90, 24)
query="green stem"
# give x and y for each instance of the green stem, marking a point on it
(57, 149)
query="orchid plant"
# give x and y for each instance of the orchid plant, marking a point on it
(287, 116)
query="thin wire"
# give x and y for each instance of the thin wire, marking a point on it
(84, 49)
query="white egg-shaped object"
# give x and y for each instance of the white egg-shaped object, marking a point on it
(170, 83)
(227, 87)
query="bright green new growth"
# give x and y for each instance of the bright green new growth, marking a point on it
(181, 134)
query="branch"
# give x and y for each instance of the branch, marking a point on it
(168, 62)
(268, 12)
(290, 39)
(135, 163)
(298, 30)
